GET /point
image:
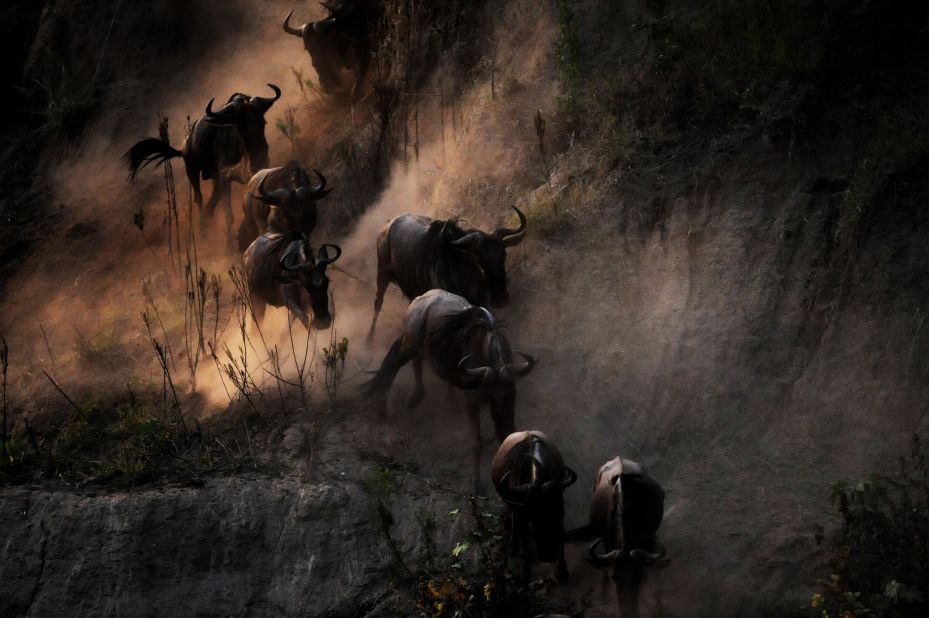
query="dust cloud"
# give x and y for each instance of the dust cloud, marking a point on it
(666, 338)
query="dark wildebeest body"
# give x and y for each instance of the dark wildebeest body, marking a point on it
(419, 254)
(530, 475)
(280, 199)
(625, 513)
(281, 271)
(464, 346)
(220, 144)
(341, 40)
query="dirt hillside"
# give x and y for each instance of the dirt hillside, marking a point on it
(725, 278)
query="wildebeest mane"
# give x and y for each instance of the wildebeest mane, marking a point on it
(439, 265)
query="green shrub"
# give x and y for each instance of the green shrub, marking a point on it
(879, 559)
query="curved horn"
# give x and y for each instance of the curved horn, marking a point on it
(293, 248)
(278, 197)
(602, 560)
(569, 479)
(512, 371)
(514, 495)
(319, 191)
(512, 237)
(641, 555)
(222, 115)
(323, 258)
(468, 241)
(290, 29)
(265, 103)
(484, 373)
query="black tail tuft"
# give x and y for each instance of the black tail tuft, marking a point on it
(148, 150)
(384, 377)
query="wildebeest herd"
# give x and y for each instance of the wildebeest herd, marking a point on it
(452, 277)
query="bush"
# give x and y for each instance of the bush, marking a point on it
(879, 559)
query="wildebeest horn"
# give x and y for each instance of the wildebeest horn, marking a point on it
(484, 373)
(278, 197)
(290, 29)
(514, 495)
(468, 241)
(569, 479)
(512, 237)
(223, 114)
(511, 371)
(320, 190)
(602, 560)
(640, 555)
(323, 258)
(265, 103)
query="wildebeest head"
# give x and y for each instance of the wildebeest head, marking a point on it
(627, 533)
(530, 476)
(247, 115)
(496, 375)
(292, 208)
(296, 267)
(490, 252)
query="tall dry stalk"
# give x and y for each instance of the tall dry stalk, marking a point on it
(4, 366)
(167, 379)
(171, 216)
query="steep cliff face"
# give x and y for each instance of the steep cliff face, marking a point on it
(725, 279)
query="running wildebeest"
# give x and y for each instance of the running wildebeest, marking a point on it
(218, 142)
(341, 40)
(530, 475)
(281, 271)
(280, 199)
(464, 346)
(419, 254)
(625, 513)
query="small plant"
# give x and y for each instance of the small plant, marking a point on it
(879, 558)
(334, 362)
(289, 126)
(478, 577)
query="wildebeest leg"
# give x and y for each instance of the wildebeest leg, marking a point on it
(230, 218)
(207, 213)
(474, 416)
(418, 390)
(400, 353)
(628, 582)
(258, 312)
(193, 177)
(383, 280)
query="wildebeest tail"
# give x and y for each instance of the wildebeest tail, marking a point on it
(384, 377)
(148, 150)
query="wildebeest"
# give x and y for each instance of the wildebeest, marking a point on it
(418, 254)
(280, 199)
(218, 141)
(465, 347)
(625, 513)
(530, 475)
(281, 271)
(340, 40)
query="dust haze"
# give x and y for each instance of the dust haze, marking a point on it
(669, 340)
